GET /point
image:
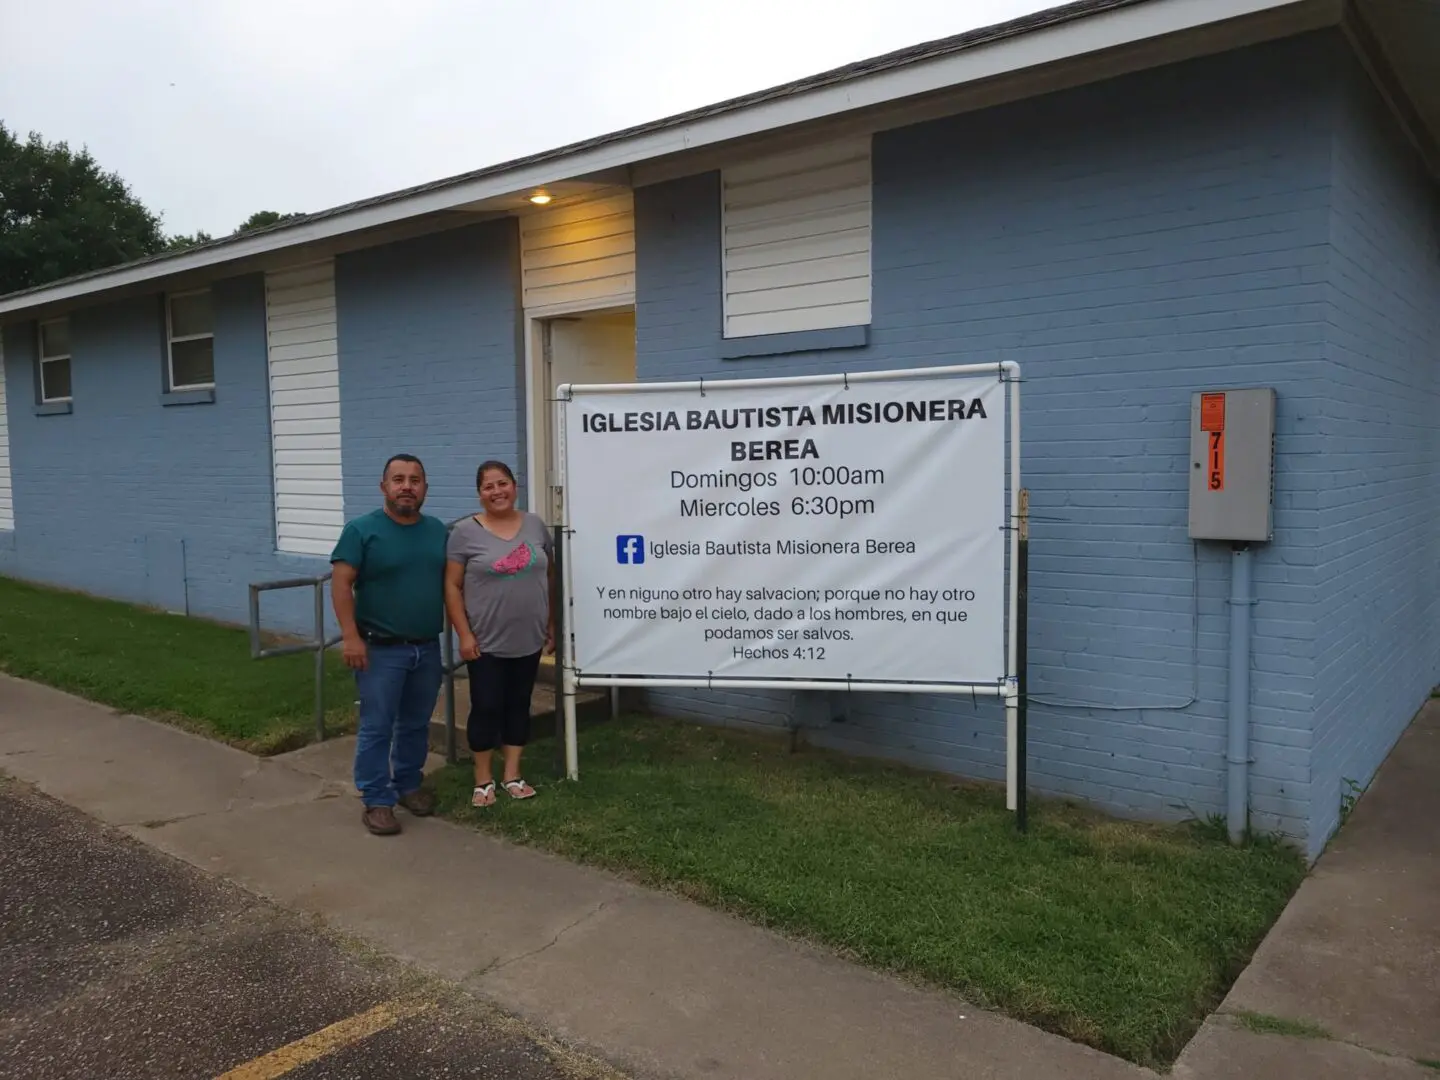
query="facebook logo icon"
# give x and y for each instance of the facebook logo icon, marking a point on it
(630, 550)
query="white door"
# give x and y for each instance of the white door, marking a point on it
(581, 349)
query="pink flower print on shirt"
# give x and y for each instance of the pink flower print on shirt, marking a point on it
(518, 561)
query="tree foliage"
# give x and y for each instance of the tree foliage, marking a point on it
(61, 214)
(180, 241)
(258, 220)
(262, 218)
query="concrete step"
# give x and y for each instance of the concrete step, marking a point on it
(591, 706)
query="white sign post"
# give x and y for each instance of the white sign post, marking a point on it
(836, 532)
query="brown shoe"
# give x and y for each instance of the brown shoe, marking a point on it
(419, 802)
(380, 820)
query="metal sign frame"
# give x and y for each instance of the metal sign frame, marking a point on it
(1007, 687)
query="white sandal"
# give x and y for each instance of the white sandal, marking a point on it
(483, 795)
(518, 788)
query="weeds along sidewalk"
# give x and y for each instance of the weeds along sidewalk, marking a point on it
(1117, 936)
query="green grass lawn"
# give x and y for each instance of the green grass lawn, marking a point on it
(193, 673)
(1118, 935)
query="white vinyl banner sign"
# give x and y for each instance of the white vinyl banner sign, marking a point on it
(847, 530)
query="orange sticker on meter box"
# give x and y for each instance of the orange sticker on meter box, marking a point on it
(1212, 422)
(1212, 412)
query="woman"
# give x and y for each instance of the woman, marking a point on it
(498, 574)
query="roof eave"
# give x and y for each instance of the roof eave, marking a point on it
(1401, 52)
(1077, 30)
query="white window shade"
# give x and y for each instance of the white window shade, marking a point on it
(796, 238)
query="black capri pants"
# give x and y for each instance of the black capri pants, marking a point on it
(500, 691)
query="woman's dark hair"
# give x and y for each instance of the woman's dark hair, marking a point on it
(486, 466)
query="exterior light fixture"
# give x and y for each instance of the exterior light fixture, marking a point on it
(540, 198)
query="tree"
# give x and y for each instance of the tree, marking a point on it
(180, 242)
(262, 218)
(61, 214)
(258, 220)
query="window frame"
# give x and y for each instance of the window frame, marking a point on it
(41, 360)
(171, 340)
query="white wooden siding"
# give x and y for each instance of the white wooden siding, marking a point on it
(305, 407)
(796, 238)
(581, 254)
(7, 489)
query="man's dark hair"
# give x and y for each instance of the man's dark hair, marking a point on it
(401, 457)
(486, 466)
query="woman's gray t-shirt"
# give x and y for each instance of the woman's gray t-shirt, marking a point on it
(506, 585)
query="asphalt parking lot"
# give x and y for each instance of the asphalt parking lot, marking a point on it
(116, 961)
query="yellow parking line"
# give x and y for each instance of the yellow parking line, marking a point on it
(325, 1041)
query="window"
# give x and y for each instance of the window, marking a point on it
(796, 240)
(190, 331)
(55, 361)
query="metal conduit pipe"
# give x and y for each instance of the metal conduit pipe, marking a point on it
(1238, 749)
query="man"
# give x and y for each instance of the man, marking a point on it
(388, 588)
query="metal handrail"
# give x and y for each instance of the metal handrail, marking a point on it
(448, 666)
(319, 644)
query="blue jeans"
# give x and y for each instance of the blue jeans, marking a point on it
(397, 691)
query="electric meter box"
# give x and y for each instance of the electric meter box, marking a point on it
(1232, 464)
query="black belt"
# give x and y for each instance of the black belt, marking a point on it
(372, 638)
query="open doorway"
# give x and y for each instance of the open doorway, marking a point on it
(590, 347)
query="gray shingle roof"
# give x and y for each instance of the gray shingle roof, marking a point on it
(912, 54)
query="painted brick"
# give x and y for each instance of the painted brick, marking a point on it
(108, 496)
(1378, 645)
(430, 362)
(1127, 243)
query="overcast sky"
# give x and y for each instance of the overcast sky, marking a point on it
(213, 109)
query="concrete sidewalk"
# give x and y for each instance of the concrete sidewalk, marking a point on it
(661, 987)
(1356, 953)
(655, 985)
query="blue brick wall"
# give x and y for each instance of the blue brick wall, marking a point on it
(1127, 243)
(129, 499)
(1379, 640)
(108, 497)
(431, 362)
